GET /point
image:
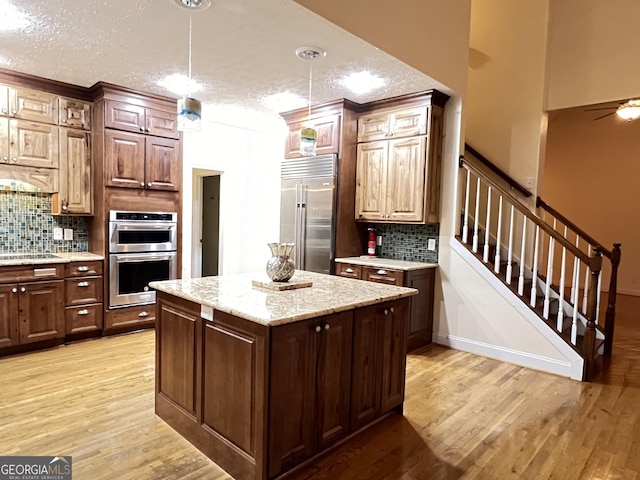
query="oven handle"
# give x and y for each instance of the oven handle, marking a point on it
(146, 226)
(145, 257)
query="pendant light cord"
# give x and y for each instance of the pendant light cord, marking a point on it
(189, 83)
(310, 78)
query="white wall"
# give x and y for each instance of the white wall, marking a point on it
(248, 159)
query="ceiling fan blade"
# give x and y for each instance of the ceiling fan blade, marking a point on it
(595, 109)
(603, 116)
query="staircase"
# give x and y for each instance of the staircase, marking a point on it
(549, 263)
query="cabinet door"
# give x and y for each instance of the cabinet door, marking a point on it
(373, 126)
(75, 194)
(394, 352)
(292, 394)
(4, 140)
(41, 311)
(75, 114)
(333, 379)
(365, 373)
(124, 159)
(32, 105)
(421, 319)
(409, 122)
(383, 275)
(33, 144)
(4, 100)
(406, 180)
(124, 116)
(176, 354)
(9, 315)
(371, 181)
(163, 164)
(327, 135)
(162, 124)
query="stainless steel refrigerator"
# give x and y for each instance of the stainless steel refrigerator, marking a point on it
(307, 210)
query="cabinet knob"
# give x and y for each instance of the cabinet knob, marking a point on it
(14, 159)
(391, 309)
(64, 120)
(349, 270)
(382, 272)
(5, 158)
(386, 312)
(4, 110)
(148, 129)
(327, 326)
(23, 289)
(83, 284)
(14, 290)
(84, 311)
(142, 129)
(142, 184)
(382, 215)
(143, 314)
(318, 329)
(13, 112)
(149, 184)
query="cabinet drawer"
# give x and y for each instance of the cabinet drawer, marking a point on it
(348, 270)
(25, 273)
(143, 315)
(387, 124)
(383, 275)
(84, 318)
(83, 269)
(83, 290)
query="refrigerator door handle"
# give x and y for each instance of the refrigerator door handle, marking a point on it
(303, 225)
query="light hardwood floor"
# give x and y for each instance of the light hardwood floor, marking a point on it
(465, 417)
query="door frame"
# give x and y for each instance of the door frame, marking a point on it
(196, 220)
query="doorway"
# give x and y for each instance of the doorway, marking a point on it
(210, 225)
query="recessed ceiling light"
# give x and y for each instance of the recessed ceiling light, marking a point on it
(362, 82)
(11, 18)
(194, 4)
(179, 84)
(284, 101)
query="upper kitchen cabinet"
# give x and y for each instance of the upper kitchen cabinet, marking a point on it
(32, 105)
(74, 195)
(74, 114)
(135, 118)
(336, 124)
(33, 144)
(399, 159)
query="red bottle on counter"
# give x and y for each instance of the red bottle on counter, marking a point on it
(371, 244)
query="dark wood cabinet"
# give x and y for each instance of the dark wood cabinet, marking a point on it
(310, 378)
(138, 119)
(75, 114)
(423, 279)
(41, 310)
(9, 333)
(162, 164)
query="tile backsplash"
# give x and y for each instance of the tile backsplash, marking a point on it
(408, 242)
(26, 222)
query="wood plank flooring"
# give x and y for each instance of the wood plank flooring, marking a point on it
(466, 417)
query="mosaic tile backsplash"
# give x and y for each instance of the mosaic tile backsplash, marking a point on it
(26, 223)
(408, 242)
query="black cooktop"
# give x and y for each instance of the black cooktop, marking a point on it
(20, 256)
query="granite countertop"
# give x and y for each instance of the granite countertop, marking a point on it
(234, 294)
(378, 262)
(10, 259)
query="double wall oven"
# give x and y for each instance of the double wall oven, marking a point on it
(142, 249)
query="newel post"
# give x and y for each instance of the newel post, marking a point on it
(610, 319)
(589, 345)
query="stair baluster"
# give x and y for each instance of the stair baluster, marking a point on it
(524, 242)
(574, 320)
(547, 286)
(487, 229)
(560, 321)
(510, 249)
(496, 263)
(585, 296)
(465, 227)
(477, 217)
(534, 277)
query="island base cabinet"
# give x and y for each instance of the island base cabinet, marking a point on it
(261, 400)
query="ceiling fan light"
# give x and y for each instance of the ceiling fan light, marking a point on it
(189, 114)
(629, 111)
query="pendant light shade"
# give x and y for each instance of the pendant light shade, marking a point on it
(308, 135)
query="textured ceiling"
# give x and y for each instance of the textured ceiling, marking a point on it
(243, 50)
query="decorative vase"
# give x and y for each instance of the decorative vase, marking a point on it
(280, 267)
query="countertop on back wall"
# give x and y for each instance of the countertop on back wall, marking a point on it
(378, 262)
(9, 259)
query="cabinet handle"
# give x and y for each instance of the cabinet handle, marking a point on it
(382, 272)
(327, 326)
(143, 314)
(84, 311)
(318, 329)
(386, 312)
(142, 184)
(23, 289)
(83, 284)
(14, 290)
(349, 270)
(83, 268)
(149, 184)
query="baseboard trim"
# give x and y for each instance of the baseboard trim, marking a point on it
(627, 291)
(503, 354)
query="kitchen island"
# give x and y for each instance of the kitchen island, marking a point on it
(262, 381)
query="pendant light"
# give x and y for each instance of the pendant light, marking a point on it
(190, 109)
(308, 135)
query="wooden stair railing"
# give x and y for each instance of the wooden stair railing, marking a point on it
(491, 166)
(614, 256)
(503, 223)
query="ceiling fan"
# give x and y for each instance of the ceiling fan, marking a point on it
(629, 110)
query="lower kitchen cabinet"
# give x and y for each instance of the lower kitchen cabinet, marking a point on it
(83, 297)
(423, 279)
